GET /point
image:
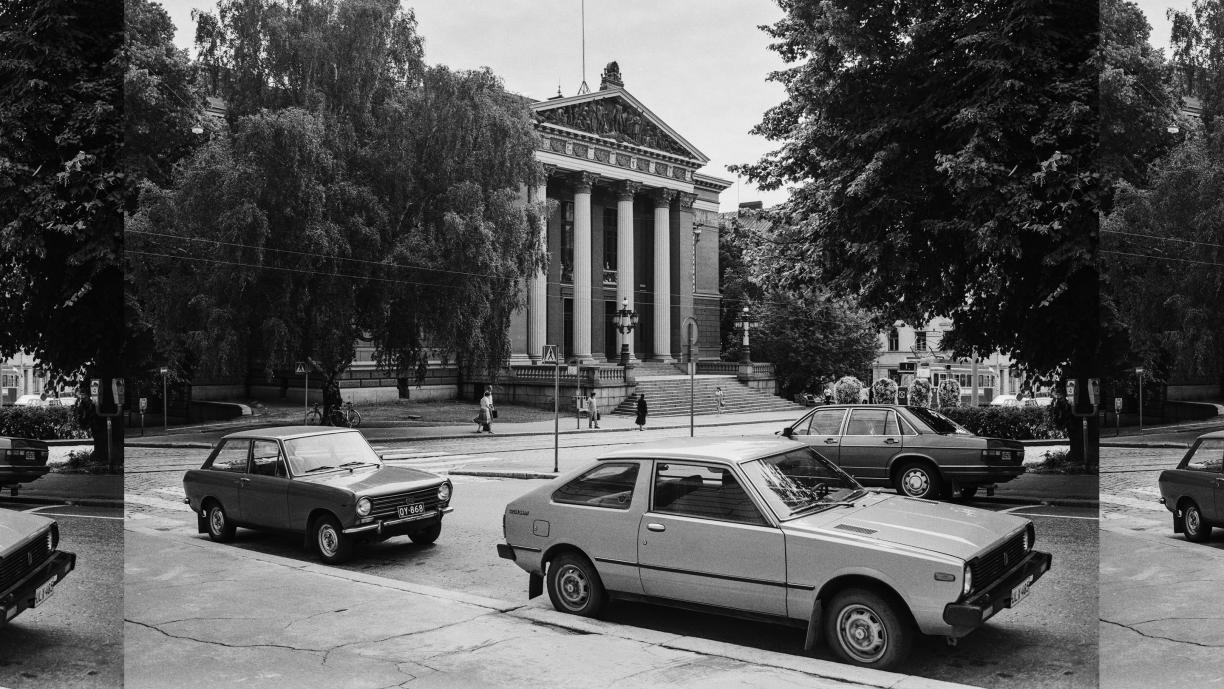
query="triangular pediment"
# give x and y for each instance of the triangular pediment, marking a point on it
(615, 115)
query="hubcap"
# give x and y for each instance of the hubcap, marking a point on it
(216, 518)
(328, 540)
(916, 482)
(1192, 521)
(573, 587)
(862, 633)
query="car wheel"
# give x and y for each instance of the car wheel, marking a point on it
(333, 546)
(574, 586)
(863, 628)
(1195, 528)
(919, 480)
(426, 536)
(220, 528)
(967, 492)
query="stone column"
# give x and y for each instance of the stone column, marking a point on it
(624, 252)
(688, 257)
(662, 274)
(537, 290)
(582, 266)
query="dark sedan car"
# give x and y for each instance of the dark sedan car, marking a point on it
(1194, 491)
(21, 461)
(327, 484)
(918, 451)
(30, 564)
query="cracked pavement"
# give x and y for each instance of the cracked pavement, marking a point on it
(1162, 597)
(200, 614)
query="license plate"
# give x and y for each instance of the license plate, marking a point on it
(411, 510)
(1021, 591)
(42, 593)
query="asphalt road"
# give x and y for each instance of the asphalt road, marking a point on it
(1049, 641)
(75, 639)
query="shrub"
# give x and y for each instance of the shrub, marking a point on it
(1013, 423)
(920, 393)
(41, 423)
(949, 393)
(884, 391)
(848, 390)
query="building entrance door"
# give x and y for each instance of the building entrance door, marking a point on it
(567, 347)
(611, 336)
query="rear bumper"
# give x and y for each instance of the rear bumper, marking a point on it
(984, 604)
(984, 474)
(20, 596)
(10, 474)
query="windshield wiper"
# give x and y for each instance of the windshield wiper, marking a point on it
(354, 464)
(319, 469)
(817, 505)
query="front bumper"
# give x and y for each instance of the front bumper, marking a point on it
(400, 526)
(982, 605)
(21, 595)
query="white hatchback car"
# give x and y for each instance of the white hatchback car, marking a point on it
(770, 529)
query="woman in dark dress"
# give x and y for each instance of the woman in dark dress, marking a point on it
(641, 412)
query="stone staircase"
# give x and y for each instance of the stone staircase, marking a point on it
(667, 394)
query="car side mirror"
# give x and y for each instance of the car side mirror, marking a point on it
(787, 432)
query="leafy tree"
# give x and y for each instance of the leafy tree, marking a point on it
(943, 162)
(354, 193)
(949, 393)
(943, 157)
(884, 391)
(848, 390)
(61, 189)
(1197, 38)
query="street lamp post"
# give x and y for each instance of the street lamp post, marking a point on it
(1139, 373)
(625, 320)
(165, 407)
(744, 323)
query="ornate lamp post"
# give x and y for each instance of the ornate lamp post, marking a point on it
(625, 320)
(745, 323)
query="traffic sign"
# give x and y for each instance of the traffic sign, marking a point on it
(549, 354)
(300, 368)
(95, 390)
(1118, 405)
(144, 404)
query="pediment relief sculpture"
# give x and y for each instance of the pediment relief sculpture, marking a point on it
(612, 118)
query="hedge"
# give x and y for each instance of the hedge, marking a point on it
(40, 423)
(1013, 423)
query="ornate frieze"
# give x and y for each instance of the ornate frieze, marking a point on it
(613, 118)
(603, 155)
(623, 160)
(579, 150)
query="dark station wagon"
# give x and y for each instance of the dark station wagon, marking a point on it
(1194, 491)
(21, 461)
(918, 451)
(328, 484)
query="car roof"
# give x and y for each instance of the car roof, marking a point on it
(730, 450)
(286, 432)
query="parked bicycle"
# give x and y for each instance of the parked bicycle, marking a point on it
(345, 415)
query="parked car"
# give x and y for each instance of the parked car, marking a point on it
(327, 484)
(21, 460)
(28, 401)
(769, 528)
(1013, 401)
(30, 564)
(65, 401)
(1194, 491)
(919, 451)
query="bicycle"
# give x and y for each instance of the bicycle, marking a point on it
(345, 415)
(314, 417)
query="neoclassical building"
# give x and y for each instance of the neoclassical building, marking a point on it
(633, 222)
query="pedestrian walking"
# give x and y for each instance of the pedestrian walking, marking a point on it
(484, 422)
(718, 398)
(592, 407)
(641, 412)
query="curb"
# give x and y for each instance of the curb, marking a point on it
(1145, 446)
(83, 502)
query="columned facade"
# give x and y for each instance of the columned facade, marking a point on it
(624, 198)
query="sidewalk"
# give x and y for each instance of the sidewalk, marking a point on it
(211, 615)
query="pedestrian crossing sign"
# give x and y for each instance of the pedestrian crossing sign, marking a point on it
(550, 354)
(300, 368)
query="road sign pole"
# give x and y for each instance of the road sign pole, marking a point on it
(692, 391)
(556, 415)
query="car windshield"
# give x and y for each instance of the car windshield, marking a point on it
(936, 422)
(318, 453)
(801, 481)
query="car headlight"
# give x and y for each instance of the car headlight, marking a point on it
(363, 507)
(444, 492)
(968, 587)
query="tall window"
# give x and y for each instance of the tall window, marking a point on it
(920, 342)
(610, 236)
(567, 241)
(894, 340)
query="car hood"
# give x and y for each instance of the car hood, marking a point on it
(16, 527)
(382, 481)
(954, 530)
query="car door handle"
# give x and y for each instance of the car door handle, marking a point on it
(890, 441)
(652, 526)
(830, 441)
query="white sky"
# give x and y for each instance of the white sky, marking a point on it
(1155, 10)
(700, 65)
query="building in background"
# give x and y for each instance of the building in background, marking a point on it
(907, 353)
(20, 375)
